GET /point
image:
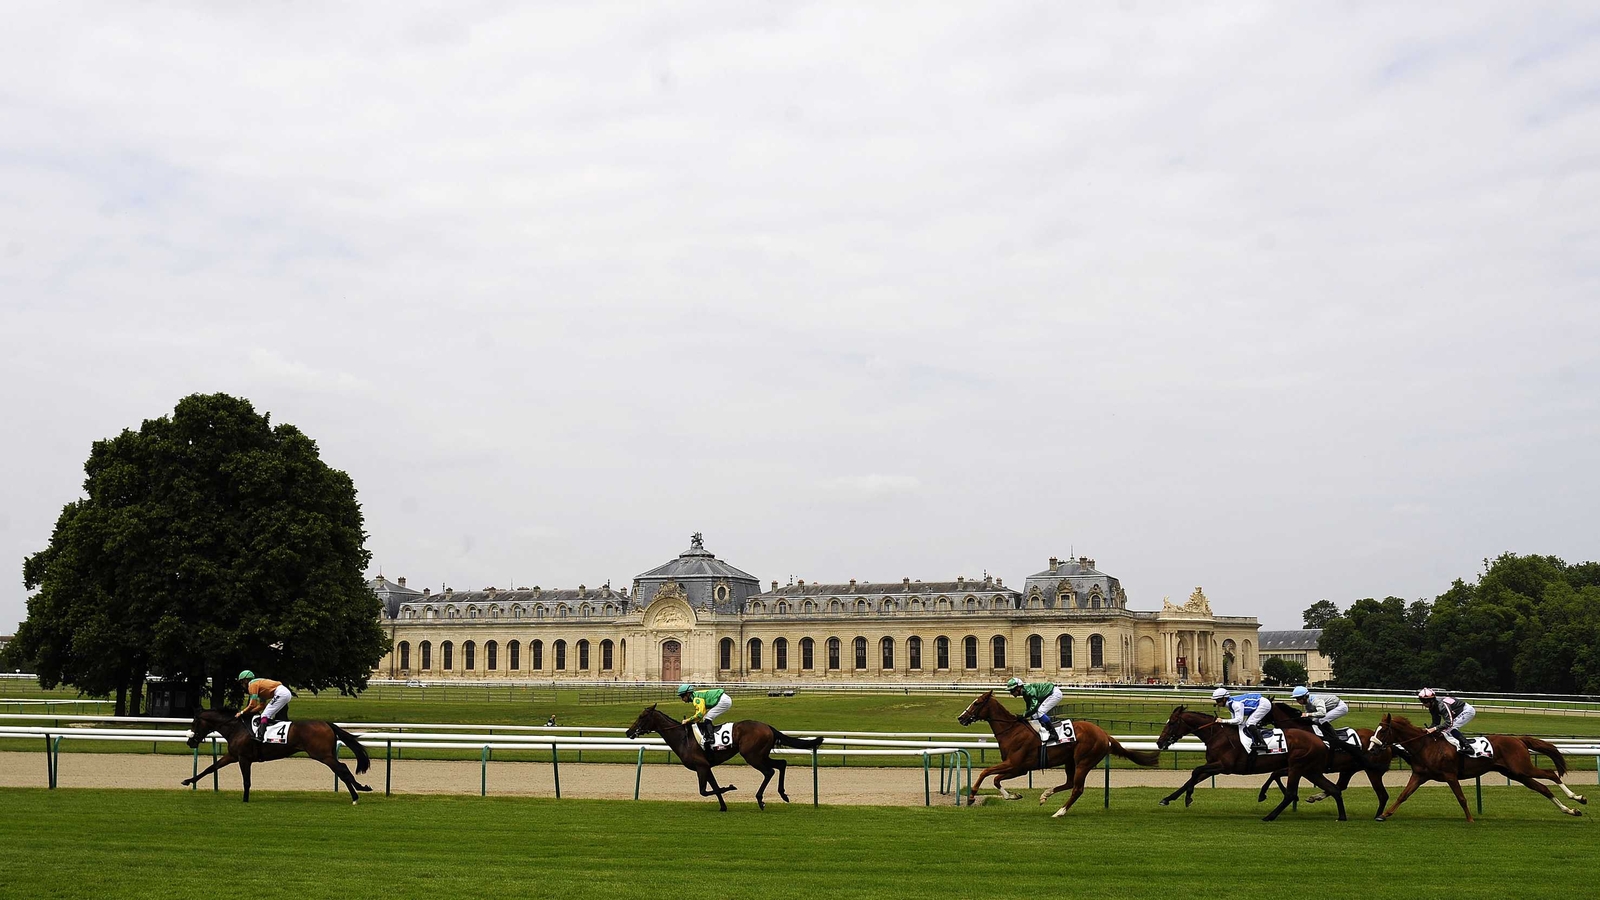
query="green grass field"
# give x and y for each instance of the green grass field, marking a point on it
(171, 844)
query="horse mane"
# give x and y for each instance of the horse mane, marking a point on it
(1401, 720)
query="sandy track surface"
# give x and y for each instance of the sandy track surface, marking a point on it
(850, 785)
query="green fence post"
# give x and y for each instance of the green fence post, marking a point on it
(813, 776)
(927, 794)
(49, 765)
(1108, 781)
(336, 769)
(215, 787)
(388, 765)
(196, 774)
(483, 776)
(57, 754)
(638, 773)
(580, 747)
(555, 766)
(1479, 790)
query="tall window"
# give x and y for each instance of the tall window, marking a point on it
(1097, 652)
(560, 648)
(886, 650)
(1064, 651)
(491, 656)
(607, 658)
(969, 649)
(860, 646)
(427, 655)
(583, 656)
(449, 655)
(998, 648)
(405, 654)
(808, 654)
(780, 654)
(941, 653)
(470, 652)
(725, 656)
(514, 651)
(833, 654)
(755, 654)
(1035, 652)
(914, 653)
(535, 656)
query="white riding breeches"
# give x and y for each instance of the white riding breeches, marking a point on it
(1261, 711)
(1333, 713)
(718, 708)
(1048, 703)
(1467, 715)
(280, 699)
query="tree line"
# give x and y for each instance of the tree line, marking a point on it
(1528, 624)
(206, 542)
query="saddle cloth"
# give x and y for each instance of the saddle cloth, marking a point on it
(1348, 735)
(1274, 740)
(1061, 732)
(1478, 748)
(277, 733)
(722, 737)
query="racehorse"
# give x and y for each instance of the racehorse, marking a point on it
(319, 740)
(1019, 751)
(1340, 760)
(1307, 758)
(1434, 759)
(751, 739)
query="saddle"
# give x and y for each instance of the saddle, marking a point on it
(276, 733)
(1272, 741)
(1060, 732)
(1476, 748)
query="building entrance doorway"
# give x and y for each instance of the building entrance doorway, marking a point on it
(671, 661)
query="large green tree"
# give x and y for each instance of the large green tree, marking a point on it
(1378, 643)
(209, 540)
(1320, 613)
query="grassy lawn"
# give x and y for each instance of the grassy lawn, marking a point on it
(166, 844)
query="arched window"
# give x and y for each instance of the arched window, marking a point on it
(1064, 651)
(560, 648)
(783, 607)
(1035, 652)
(449, 652)
(914, 653)
(969, 650)
(972, 604)
(611, 610)
(755, 654)
(941, 652)
(809, 608)
(860, 647)
(835, 607)
(494, 612)
(780, 654)
(538, 612)
(491, 656)
(514, 654)
(808, 654)
(1094, 600)
(725, 654)
(833, 654)
(997, 647)
(886, 606)
(561, 611)
(886, 651)
(472, 612)
(607, 656)
(405, 654)
(583, 610)
(861, 607)
(516, 612)
(426, 650)
(943, 605)
(1097, 652)
(583, 656)
(470, 654)
(535, 655)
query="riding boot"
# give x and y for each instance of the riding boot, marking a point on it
(261, 730)
(1257, 742)
(706, 729)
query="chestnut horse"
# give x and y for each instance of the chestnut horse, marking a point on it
(751, 739)
(1307, 758)
(1340, 759)
(1434, 759)
(319, 740)
(1019, 751)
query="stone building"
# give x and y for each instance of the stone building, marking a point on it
(698, 618)
(1299, 645)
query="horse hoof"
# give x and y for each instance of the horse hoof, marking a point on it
(365, 789)
(1575, 813)
(1164, 803)
(1580, 799)
(1059, 813)
(1379, 819)
(355, 802)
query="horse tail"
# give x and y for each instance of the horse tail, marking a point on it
(1548, 749)
(796, 743)
(363, 761)
(1147, 758)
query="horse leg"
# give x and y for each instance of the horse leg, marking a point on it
(1375, 776)
(1455, 787)
(705, 778)
(1344, 781)
(1274, 777)
(1289, 796)
(1079, 780)
(1552, 775)
(782, 766)
(1411, 788)
(999, 770)
(1528, 782)
(1071, 780)
(226, 760)
(244, 773)
(1328, 787)
(767, 772)
(1199, 774)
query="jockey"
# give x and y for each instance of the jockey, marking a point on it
(708, 705)
(1322, 709)
(1247, 712)
(266, 695)
(1449, 714)
(1040, 697)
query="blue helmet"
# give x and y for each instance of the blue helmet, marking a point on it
(1300, 693)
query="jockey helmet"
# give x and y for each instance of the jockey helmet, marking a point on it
(247, 675)
(685, 688)
(1219, 694)
(1013, 683)
(1425, 694)
(1300, 693)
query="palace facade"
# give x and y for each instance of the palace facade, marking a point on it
(697, 618)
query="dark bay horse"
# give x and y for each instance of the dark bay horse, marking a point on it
(1434, 759)
(1307, 758)
(319, 740)
(751, 739)
(1019, 751)
(1340, 760)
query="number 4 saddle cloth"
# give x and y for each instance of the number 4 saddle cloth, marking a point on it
(277, 733)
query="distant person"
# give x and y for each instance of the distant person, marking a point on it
(266, 695)
(550, 722)
(1322, 710)
(1040, 697)
(709, 704)
(1248, 710)
(1449, 714)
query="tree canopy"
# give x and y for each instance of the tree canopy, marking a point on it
(208, 541)
(1529, 623)
(1320, 613)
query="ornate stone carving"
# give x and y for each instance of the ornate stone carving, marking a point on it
(670, 591)
(670, 617)
(1197, 605)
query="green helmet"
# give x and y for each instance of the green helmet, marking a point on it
(247, 675)
(685, 688)
(1013, 683)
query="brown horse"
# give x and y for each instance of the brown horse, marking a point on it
(1340, 760)
(1019, 751)
(751, 739)
(319, 740)
(1434, 759)
(1307, 758)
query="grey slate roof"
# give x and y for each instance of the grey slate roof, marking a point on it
(695, 562)
(391, 594)
(1078, 577)
(708, 582)
(1299, 639)
(866, 588)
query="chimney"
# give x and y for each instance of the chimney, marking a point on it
(402, 581)
(802, 582)
(905, 585)
(852, 584)
(961, 581)
(449, 591)
(491, 591)
(1001, 582)
(774, 586)
(583, 591)
(427, 592)
(1054, 563)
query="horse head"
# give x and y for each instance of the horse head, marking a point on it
(648, 721)
(205, 722)
(981, 708)
(1177, 726)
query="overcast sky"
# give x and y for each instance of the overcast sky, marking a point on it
(1290, 301)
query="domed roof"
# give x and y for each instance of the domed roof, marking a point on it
(695, 562)
(706, 581)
